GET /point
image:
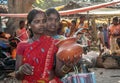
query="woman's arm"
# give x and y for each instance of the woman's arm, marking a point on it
(19, 75)
(58, 70)
(22, 69)
(61, 68)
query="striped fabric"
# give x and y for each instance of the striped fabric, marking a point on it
(80, 78)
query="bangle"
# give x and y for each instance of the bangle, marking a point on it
(19, 70)
(65, 69)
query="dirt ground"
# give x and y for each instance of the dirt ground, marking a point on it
(102, 76)
(106, 75)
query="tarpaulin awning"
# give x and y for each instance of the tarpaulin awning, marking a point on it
(15, 15)
(103, 11)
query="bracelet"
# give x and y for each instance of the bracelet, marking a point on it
(19, 70)
(65, 69)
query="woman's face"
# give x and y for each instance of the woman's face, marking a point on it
(38, 24)
(52, 22)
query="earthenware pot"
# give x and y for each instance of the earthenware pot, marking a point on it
(69, 49)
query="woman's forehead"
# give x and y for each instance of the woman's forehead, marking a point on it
(53, 15)
(40, 16)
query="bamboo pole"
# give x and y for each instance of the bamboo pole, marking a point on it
(94, 29)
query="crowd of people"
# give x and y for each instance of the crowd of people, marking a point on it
(108, 36)
(36, 60)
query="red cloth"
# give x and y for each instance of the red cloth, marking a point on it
(36, 55)
(22, 34)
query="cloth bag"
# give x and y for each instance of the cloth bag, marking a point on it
(79, 78)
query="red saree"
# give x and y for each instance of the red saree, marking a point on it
(40, 54)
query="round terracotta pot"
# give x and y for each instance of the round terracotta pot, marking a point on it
(69, 50)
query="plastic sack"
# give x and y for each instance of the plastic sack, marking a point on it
(80, 78)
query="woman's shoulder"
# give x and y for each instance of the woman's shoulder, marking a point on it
(21, 47)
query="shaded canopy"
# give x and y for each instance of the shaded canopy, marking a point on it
(71, 5)
(78, 11)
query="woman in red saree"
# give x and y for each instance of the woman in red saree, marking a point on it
(35, 57)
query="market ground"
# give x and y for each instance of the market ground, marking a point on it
(102, 75)
(106, 75)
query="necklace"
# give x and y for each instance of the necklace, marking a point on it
(34, 39)
(31, 40)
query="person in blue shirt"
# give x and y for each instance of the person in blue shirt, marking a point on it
(105, 33)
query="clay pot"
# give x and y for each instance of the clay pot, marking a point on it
(69, 49)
